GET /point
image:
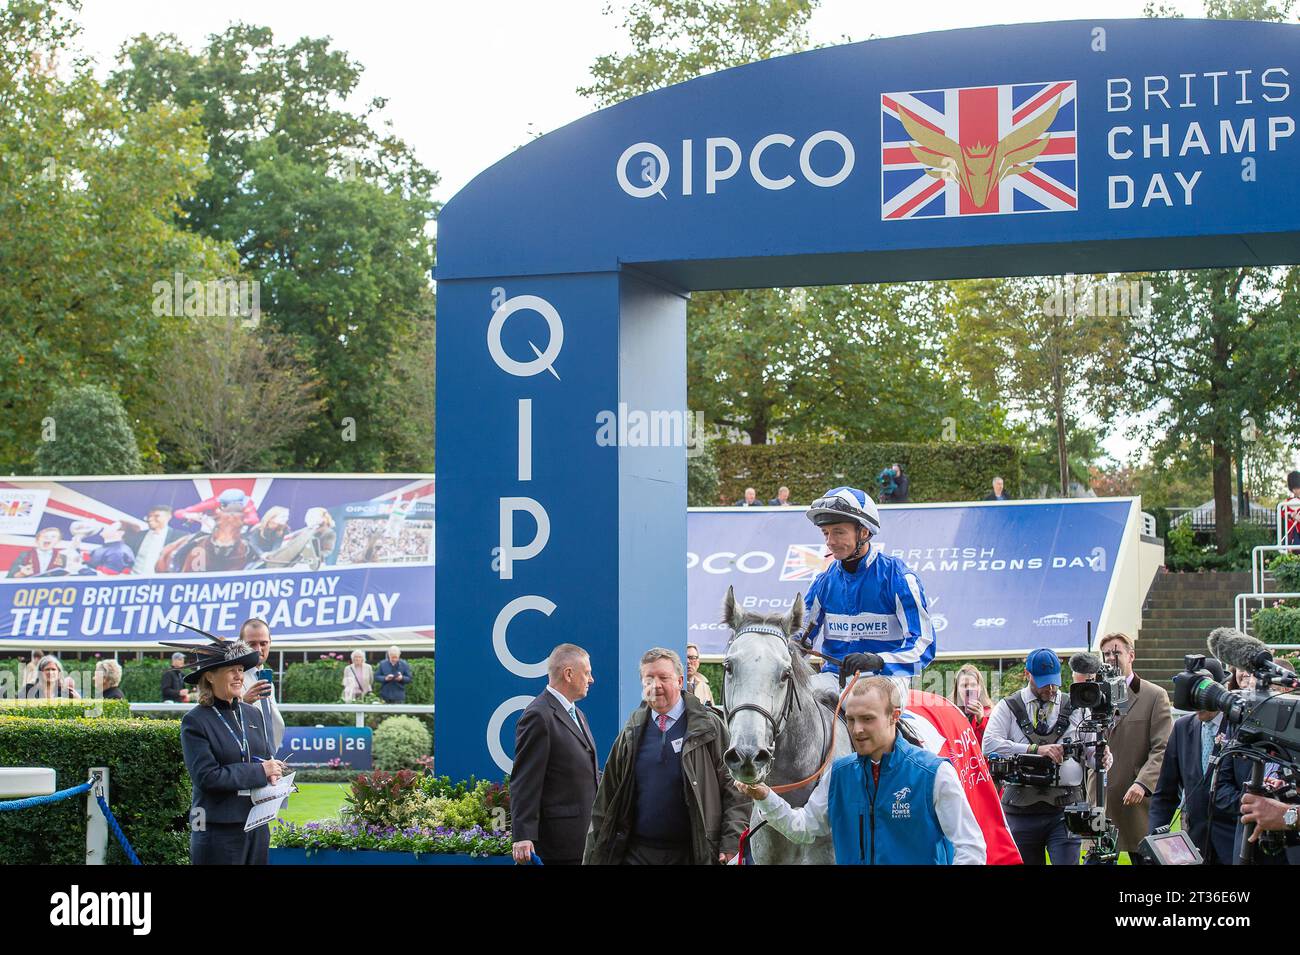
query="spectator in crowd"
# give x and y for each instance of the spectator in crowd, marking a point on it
(358, 678)
(1137, 743)
(51, 682)
(1185, 777)
(42, 558)
(227, 753)
(696, 682)
(394, 674)
(749, 500)
(972, 697)
(894, 485)
(782, 498)
(938, 826)
(555, 775)
(666, 797)
(1036, 720)
(174, 689)
(108, 680)
(1291, 510)
(998, 493)
(147, 542)
(1239, 679)
(268, 533)
(259, 692)
(29, 669)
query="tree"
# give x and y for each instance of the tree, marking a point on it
(229, 398)
(328, 214)
(702, 477)
(87, 431)
(1053, 345)
(678, 40)
(89, 210)
(1218, 357)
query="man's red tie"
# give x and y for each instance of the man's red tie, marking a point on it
(663, 722)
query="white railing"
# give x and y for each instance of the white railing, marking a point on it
(1281, 518)
(360, 709)
(1241, 609)
(1257, 561)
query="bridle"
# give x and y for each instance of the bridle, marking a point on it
(791, 696)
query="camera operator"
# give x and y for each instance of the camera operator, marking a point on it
(1137, 742)
(1187, 775)
(1036, 721)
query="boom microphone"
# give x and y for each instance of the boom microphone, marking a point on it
(1244, 652)
(1088, 663)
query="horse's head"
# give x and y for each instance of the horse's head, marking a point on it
(762, 677)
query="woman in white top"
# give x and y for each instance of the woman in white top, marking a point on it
(358, 678)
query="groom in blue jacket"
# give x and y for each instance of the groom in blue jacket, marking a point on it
(890, 802)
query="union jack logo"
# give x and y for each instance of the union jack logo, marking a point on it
(803, 562)
(986, 150)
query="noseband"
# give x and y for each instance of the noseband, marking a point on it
(791, 698)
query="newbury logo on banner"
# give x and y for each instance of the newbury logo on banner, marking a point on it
(110, 561)
(998, 577)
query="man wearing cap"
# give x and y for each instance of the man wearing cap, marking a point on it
(1185, 777)
(1036, 720)
(866, 605)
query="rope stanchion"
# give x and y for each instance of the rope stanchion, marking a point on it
(117, 830)
(33, 801)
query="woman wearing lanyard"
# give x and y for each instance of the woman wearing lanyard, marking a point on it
(227, 754)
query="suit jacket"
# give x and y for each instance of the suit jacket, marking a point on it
(276, 735)
(1182, 783)
(554, 780)
(216, 766)
(1138, 744)
(133, 540)
(173, 681)
(393, 691)
(27, 564)
(993, 497)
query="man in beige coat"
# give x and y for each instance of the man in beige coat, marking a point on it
(1137, 744)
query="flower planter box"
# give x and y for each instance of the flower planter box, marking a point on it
(377, 857)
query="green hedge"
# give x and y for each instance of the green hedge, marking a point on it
(66, 709)
(1277, 625)
(321, 681)
(937, 472)
(149, 789)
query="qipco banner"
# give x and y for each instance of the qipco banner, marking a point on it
(98, 561)
(997, 577)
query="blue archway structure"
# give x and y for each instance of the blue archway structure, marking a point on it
(563, 273)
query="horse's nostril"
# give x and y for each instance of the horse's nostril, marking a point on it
(762, 757)
(731, 759)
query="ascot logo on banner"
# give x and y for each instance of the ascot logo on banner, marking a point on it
(988, 150)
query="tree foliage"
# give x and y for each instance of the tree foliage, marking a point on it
(89, 433)
(329, 214)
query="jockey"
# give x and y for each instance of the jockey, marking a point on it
(231, 499)
(865, 602)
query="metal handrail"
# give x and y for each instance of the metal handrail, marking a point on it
(1280, 522)
(1239, 616)
(361, 709)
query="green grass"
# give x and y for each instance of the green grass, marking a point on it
(314, 801)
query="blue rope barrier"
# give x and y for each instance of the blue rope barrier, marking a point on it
(117, 830)
(44, 800)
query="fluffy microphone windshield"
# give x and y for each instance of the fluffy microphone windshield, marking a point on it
(1085, 663)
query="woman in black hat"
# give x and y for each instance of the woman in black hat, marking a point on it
(227, 754)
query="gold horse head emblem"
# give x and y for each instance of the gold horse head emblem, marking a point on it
(979, 168)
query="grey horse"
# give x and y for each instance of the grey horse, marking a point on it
(779, 729)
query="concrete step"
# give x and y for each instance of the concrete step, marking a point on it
(1175, 614)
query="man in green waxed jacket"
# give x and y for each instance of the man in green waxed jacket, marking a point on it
(666, 797)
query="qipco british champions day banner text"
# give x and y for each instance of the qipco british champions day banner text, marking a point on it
(997, 577)
(114, 561)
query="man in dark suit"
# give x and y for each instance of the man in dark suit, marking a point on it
(393, 676)
(1185, 781)
(555, 776)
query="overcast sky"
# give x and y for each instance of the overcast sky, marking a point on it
(467, 82)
